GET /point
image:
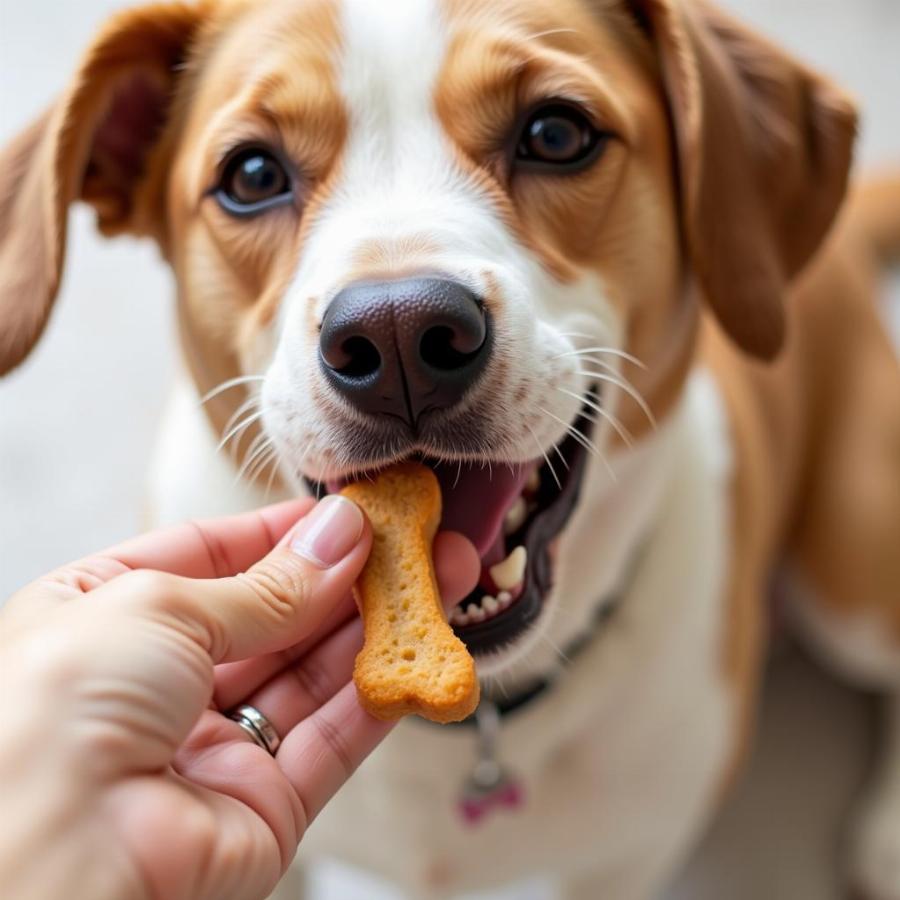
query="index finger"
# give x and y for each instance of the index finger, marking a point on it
(212, 548)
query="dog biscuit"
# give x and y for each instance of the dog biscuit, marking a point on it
(411, 661)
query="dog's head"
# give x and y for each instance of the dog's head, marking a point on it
(480, 232)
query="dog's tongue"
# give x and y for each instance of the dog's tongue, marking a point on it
(476, 500)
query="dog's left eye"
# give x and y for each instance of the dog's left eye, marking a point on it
(559, 136)
(252, 182)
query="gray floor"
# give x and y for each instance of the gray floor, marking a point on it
(78, 421)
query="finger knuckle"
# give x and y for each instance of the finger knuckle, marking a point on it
(314, 680)
(335, 743)
(280, 587)
(151, 588)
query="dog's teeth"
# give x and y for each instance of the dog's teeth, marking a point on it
(458, 617)
(516, 516)
(534, 481)
(475, 613)
(509, 573)
(504, 598)
(490, 605)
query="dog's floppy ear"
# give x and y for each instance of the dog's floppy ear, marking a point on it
(764, 149)
(93, 145)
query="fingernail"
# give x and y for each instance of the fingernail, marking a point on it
(329, 532)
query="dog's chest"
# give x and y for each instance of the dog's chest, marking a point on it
(620, 761)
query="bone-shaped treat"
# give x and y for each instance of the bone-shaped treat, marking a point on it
(411, 661)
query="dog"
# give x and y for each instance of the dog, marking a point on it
(592, 261)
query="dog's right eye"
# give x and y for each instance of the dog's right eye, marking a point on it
(252, 182)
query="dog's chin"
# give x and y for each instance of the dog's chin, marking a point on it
(513, 515)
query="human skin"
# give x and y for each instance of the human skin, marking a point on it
(120, 774)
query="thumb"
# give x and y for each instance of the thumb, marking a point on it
(281, 599)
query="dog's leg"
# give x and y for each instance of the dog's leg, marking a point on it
(861, 646)
(875, 857)
(845, 549)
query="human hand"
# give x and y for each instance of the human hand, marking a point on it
(121, 775)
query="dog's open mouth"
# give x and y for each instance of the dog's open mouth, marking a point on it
(512, 515)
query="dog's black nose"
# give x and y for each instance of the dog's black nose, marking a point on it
(402, 348)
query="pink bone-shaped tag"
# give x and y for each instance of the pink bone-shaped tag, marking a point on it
(474, 807)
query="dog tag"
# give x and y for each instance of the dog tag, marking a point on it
(490, 786)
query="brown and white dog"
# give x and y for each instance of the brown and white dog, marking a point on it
(509, 236)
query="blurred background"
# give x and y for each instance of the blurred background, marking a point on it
(78, 423)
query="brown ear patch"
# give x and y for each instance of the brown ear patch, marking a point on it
(29, 265)
(93, 145)
(764, 149)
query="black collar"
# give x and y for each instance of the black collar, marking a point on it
(509, 704)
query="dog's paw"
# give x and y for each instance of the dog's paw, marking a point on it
(875, 863)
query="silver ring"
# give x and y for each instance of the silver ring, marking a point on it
(257, 726)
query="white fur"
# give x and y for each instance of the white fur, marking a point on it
(188, 478)
(400, 181)
(858, 644)
(622, 760)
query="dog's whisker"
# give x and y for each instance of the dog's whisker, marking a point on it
(561, 456)
(582, 439)
(247, 406)
(253, 454)
(556, 648)
(546, 457)
(241, 426)
(272, 475)
(576, 334)
(594, 361)
(624, 433)
(495, 679)
(228, 385)
(620, 429)
(629, 389)
(234, 426)
(270, 455)
(610, 372)
(257, 442)
(260, 465)
(609, 351)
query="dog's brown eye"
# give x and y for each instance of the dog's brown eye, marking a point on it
(561, 137)
(253, 181)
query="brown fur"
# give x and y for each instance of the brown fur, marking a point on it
(705, 222)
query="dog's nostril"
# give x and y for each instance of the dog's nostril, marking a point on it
(446, 349)
(358, 357)
(402, 348)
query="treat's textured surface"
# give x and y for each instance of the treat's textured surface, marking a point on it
(411, 661)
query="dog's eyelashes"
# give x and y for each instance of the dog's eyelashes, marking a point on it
(559, 137)
(253, 181)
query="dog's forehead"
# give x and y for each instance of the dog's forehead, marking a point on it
(401, 43)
